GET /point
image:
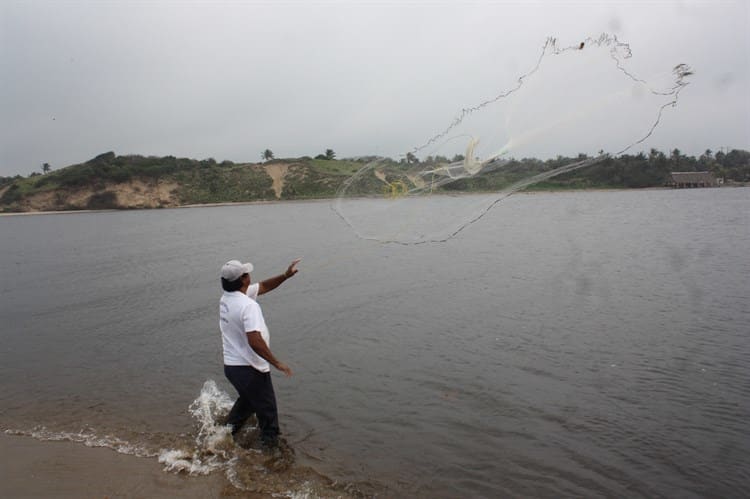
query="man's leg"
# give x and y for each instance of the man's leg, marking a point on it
(265, 408)
(240, 413)
(243, 408)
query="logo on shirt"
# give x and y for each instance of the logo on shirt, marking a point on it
(223, 312)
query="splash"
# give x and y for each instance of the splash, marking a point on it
(245, 467)
(214, 446)
(579, 100)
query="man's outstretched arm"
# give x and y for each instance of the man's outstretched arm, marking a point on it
(274, 282)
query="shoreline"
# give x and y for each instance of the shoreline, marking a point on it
(180, 207)
(34, 468)
(326, 200)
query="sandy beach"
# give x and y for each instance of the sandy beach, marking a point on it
(31, 468)
(312, 200)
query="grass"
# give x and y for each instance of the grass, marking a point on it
(336, 167)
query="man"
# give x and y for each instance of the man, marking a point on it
(247, 356)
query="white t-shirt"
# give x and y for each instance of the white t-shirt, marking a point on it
(238, 315)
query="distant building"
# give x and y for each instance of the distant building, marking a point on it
(692, 179)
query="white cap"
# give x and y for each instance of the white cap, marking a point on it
(233, 270)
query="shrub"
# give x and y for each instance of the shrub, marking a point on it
(12, 195)
(106, 157)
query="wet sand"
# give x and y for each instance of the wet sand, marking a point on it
(31, 468)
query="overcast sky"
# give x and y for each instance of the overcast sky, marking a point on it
(230, 79)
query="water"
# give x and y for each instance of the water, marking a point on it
(568, 344)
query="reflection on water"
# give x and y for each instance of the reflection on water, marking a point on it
(568, 344)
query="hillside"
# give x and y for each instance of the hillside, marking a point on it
(109, 181)
(125, 182)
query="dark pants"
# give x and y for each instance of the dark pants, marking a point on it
(256, 396)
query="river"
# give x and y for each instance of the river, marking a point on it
(589, 344)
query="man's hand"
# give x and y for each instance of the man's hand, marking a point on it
(275, 282)
(284, 368)
(292, 269)
(259, 346)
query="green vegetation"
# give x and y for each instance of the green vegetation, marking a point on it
(222, 183)
(19, 187)
(652, 170)
(206, 181)
(336, 167)
(328, 155)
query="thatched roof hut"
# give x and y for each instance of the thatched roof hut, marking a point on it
(692, 179)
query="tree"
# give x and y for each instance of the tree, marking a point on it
(46, 168)
(676, 156)
(267, 155)
(656, 155)
(330, 154)
(706, 160)
(411, 158)
(720, 157)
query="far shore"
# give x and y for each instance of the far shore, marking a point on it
(206, 205)
(327, 200)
